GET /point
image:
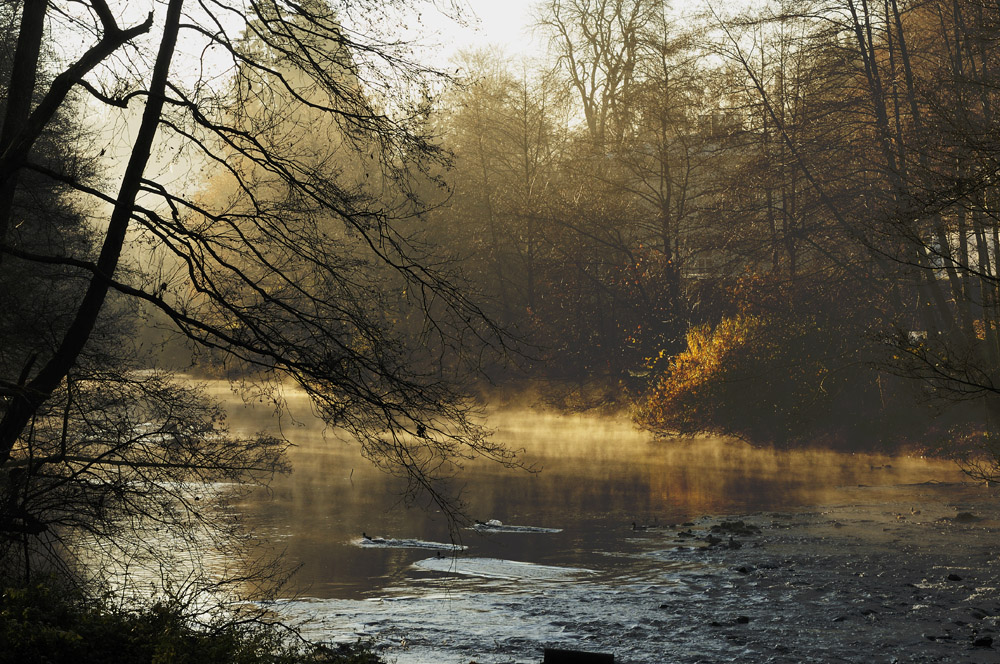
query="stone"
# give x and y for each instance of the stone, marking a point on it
(560, 656)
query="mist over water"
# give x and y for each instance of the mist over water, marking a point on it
(555, 560)
(595, 476)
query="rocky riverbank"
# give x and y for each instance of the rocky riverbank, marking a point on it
(910, 580)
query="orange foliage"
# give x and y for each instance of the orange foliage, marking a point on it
(689, 394)
(774, 370)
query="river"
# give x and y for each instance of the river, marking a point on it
(562, 564)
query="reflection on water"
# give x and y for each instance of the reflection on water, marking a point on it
(597, 476)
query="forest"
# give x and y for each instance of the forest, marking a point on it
(777, 223)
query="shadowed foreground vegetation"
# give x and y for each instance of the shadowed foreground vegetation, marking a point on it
(47, 623)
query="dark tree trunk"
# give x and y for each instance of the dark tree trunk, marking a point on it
(41, 387)
(19, 95)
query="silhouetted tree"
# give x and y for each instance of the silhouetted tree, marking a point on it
(279, 250)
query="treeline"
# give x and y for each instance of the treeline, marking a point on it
(780, 225)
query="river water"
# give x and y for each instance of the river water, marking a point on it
(562, 564)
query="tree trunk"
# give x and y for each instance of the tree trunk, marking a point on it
(20, 92)
(23, 406)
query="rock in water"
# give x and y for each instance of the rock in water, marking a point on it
(557, 656)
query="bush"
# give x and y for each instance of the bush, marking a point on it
(45, 623)
(743, 377)
(783, 368)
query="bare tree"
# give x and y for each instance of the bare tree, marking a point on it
(507, 131)
(906, 96)
(599, 44)
(282, 254)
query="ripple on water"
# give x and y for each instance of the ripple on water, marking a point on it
(390, 543)
(496, 568)
(496, 526)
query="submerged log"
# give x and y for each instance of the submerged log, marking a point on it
(557, 656)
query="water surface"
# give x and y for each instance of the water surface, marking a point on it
(595, 477)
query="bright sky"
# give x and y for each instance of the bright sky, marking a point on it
(506, 23)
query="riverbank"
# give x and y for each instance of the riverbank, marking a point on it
(894, 573)
(48, 621)
(910, 577)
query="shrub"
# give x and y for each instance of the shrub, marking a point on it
(45, 623)
(783, 367)
(743, 377)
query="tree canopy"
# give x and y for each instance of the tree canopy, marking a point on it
(831, 153)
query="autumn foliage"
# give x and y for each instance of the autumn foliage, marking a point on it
(782, 366)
